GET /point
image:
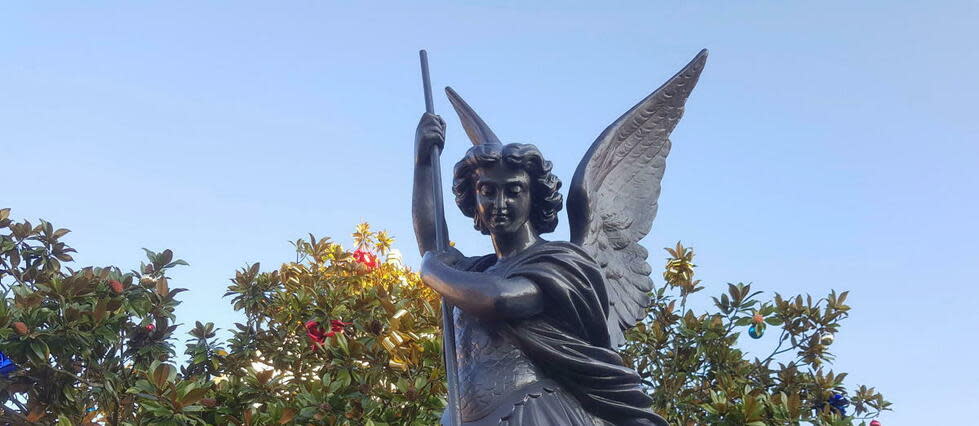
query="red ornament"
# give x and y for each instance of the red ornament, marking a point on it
(874, 423)
(365, 258)
(150, 327)
(336, 326)
(318, 335)
(314, 332)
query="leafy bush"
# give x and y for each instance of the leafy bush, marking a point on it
(88, 342)
(696, 374)
(335, 337)
(339, 336)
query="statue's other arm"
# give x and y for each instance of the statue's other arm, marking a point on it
(430, 133)
(485, 295)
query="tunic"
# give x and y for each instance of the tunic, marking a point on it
(556, 367)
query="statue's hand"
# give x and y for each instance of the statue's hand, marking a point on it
(430, 133)
(482, 294)
(436, 265)
(448, 258)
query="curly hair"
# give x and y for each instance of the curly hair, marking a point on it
(545, 199)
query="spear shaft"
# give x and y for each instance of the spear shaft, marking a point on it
(442, 244)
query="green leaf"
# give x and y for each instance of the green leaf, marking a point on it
(150, 254)
(193, 396)
(344, 378)
(342, 342)
(776, 321)
(40, 350)
(162, 374)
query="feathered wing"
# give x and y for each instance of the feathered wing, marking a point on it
(613, 196)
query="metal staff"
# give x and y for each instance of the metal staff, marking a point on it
(442, 244)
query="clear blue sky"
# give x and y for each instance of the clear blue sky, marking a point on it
(829, 145)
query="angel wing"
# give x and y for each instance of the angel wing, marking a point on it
(613, 196)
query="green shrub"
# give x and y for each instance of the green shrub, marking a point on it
(340, 336)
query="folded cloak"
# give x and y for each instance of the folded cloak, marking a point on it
(569, 340)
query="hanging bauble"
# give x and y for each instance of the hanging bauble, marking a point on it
(826, 339)
(7, 366)
(365, 258)
(315, 333)
(756, 330)
(839, 403)
(874, 423)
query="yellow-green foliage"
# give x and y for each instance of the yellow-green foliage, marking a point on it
(384, 367)
(696, 374)
(351, 336)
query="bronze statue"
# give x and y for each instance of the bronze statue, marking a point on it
(537, 322)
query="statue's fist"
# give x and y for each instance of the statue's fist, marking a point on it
(435, 265)
(430, 133)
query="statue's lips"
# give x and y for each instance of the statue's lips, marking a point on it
(499, 219)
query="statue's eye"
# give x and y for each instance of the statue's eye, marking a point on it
(485, 190)
(515, 189)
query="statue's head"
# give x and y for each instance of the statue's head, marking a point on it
(504, 186)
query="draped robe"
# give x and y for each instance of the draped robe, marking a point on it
(574, 368)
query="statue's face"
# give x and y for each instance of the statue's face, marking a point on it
(502, 198)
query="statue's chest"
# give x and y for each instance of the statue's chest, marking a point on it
(490, 364)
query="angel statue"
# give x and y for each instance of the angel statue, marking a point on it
(537, 322)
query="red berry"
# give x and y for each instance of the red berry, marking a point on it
(150, 327)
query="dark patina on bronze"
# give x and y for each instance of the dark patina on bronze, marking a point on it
(537, 322)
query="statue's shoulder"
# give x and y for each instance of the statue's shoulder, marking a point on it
(559, 245)
(565, 250)
(477, 263)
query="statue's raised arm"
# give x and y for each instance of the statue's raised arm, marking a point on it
(538, 322)
(613, 196)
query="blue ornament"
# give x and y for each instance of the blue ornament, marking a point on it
(837, 403)
(6, 365)
(756, 331)
(89, 409)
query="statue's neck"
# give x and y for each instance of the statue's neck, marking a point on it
(507, 245)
